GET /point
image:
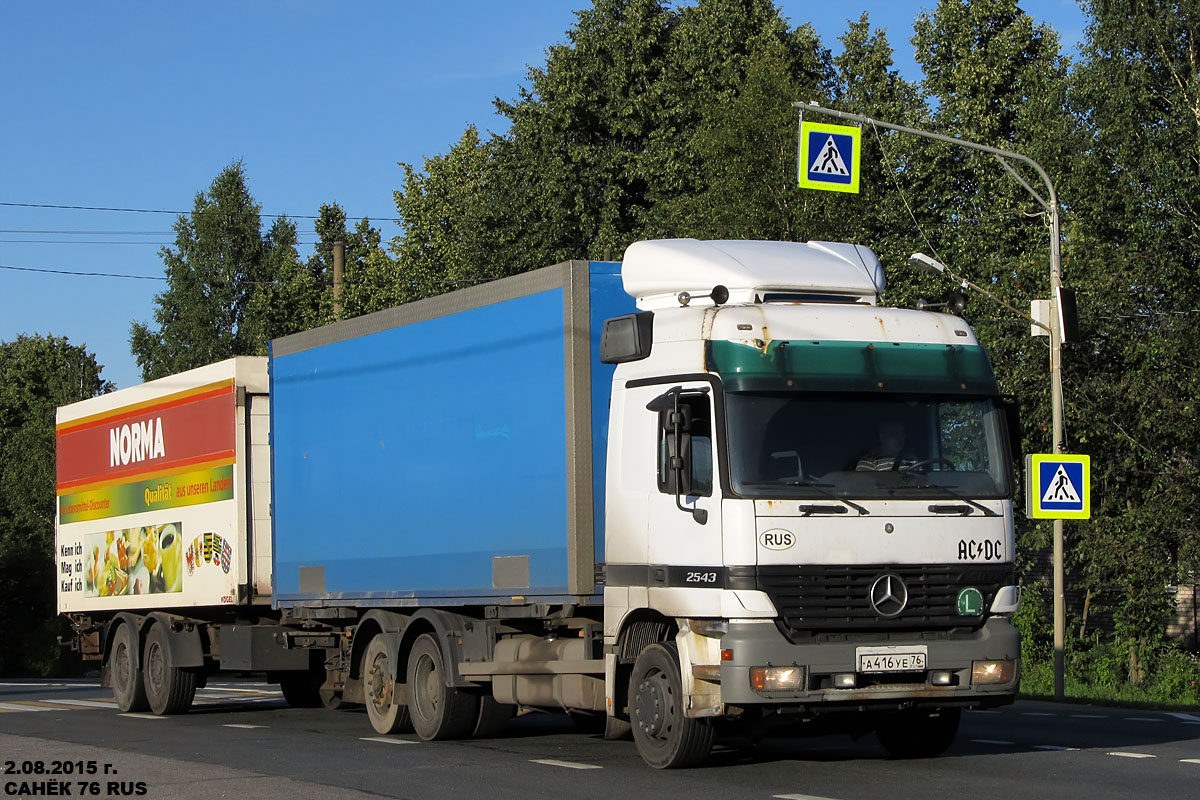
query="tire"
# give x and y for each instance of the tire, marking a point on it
(169, 689)
(438, 711)
(302, 689)
(617, 730)
(125, 671)
(492, 719)
(666, 737)
(923, 734)
(379, 690)
(334, 701)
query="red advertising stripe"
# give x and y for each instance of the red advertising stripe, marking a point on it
(146, 407)
(157, 437)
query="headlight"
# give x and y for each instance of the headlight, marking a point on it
(985, 672)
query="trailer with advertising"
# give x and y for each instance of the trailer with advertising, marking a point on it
(715, 486)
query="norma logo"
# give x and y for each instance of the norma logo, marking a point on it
(138, 441)
(777, 539)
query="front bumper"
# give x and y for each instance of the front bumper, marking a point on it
(826, 655)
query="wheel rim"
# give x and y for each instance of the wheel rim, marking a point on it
(122, 668)
(155, 667)
(426, 687)
(380, 686)
(654, 705)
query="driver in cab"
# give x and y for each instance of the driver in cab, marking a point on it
(890, 452)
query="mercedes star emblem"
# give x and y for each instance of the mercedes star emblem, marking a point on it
(888, 595)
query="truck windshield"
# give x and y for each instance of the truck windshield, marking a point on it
(811, 445)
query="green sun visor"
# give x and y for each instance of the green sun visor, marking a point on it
(852, 367)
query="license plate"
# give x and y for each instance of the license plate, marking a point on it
(892, 659)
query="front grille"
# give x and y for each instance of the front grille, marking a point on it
(824, 598)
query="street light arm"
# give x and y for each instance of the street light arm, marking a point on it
(996, 151)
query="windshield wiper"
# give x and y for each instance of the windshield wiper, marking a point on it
(987, 512)
(820, 487)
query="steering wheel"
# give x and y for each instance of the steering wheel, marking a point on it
(925, 462)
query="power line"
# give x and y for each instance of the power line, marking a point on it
(166, 211)
(104, 241)
(83, 274)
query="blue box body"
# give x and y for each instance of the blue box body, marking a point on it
(413, 447)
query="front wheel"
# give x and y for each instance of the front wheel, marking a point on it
(125, 670)
(666, 737)
(438, 711)
(169, 689)
(919, 734)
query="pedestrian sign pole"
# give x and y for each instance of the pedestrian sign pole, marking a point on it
(1058, 486)
(830, 157)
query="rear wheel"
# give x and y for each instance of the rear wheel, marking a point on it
(125, 670)
(438, 711)
(379, 690)
(169, 689)
(919, 734)
(493, 718)
(666, 737)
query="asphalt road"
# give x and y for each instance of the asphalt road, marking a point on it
(241, 740)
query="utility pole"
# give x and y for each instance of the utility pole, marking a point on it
(339, 275)
(1050, 205)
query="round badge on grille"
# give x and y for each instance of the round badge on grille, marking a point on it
(888, 595)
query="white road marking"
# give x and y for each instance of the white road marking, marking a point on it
(1185, 717)
(139, 715)
(1037, 714)
(970, 710)
(1189, 761)
(800, 797)
(1089, 716)
(550, 762)
(241, 725)
(992, 741)
(82, 703)
(24, 707)
(23, 683)
(1142, 719)
(1121, 754)
(1052, 747)
(386, 740)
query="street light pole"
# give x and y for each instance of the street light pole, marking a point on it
(1050, 205)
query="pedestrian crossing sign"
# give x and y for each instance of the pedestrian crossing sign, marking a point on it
(829, 157)
(1058, 486)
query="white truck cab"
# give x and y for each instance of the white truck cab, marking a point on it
(809, 503)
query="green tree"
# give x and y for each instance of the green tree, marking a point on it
(37, 374)
(227, 284)
(1137, 254)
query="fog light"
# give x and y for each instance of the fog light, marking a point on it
(777, 679)
(845, 680)
(941, 678)
(983, 672)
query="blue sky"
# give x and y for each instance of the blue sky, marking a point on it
(140, 105)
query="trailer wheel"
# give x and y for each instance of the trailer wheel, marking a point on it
(169, 689)
(438, 711)
(379, 689)
(666, 737)
(919, 734)
(126, 671)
